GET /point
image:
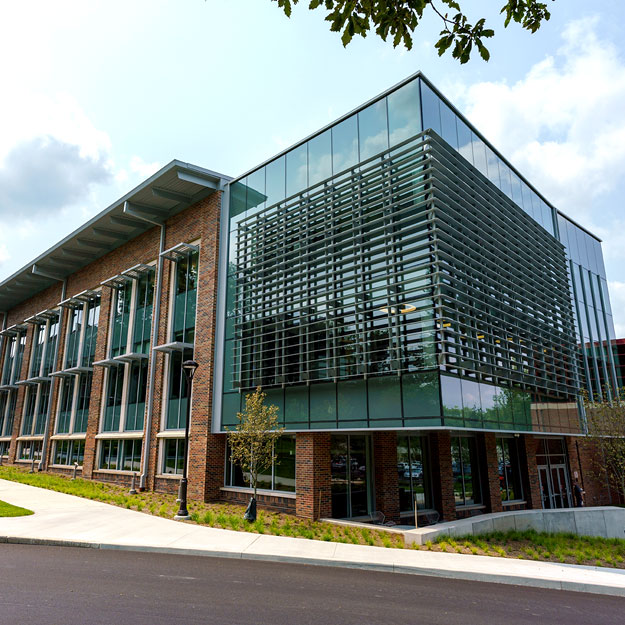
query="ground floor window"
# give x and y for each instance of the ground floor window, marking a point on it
(69, 452)
(120, 454)
(350, 457)
(509, 469)
(4, 448)
(280, 476)
(413, 470)
(466, 473)
(173, 456)
(29, 449)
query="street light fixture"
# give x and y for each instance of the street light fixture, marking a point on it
(189, 367)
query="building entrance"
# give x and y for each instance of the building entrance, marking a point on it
(351, 483)
(553, 474)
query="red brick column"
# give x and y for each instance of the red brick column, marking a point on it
(312, 475)
(492, 496)
(442, 475)
(386, 478)
(528, 446)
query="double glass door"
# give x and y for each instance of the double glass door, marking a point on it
(351, 465)
(554, 486)
(553, 473)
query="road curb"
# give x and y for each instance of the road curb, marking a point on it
(516, 580)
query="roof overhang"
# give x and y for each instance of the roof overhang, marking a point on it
(169, 191)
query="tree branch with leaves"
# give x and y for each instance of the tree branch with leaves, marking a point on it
(605, 420)
(398, 19)
(252, 442)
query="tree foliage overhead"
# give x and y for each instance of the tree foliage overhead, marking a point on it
(398, 19)
(252, 442)
(605, 419)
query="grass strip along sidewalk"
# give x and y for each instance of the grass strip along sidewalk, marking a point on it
(7, 509)
(220, 515)
(529, 545)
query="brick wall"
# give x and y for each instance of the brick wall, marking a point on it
(528, 446)
(268, 502)
(442, 475)
(488, 448)
(586, 460)
(312, 475)
(207, 451)
(386, 477)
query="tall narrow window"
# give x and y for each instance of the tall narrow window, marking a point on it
(185, 294)
(509, 469)
(121, 319)
(127, 367)
(467, 485)
(91, 332)
(74, 332)
(143, 314)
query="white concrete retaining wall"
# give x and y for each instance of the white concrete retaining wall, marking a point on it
(607, 522)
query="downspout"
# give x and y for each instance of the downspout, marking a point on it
(155, 325)
(46, 433)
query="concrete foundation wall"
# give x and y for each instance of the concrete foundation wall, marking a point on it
(606, 522)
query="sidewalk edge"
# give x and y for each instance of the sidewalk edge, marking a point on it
(517, 580)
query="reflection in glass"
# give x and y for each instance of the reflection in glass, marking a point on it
(413, 473)
(448, 126)
(345, 145)
(275, 181)
(431, 109)
(320, 157)
(404, 113)
(296, 170)
(373, 129)
(466, 474)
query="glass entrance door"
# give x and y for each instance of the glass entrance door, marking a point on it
(350, 469)
(555, 488)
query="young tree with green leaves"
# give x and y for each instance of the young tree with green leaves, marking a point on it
(605, 420)
(252, 442)
(400, 18)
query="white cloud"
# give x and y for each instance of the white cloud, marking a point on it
(51, 154)
(562, 125)
(143, 169)
(4, 254)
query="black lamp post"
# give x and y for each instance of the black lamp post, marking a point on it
(189, 367)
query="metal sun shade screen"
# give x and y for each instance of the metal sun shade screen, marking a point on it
(409, 261)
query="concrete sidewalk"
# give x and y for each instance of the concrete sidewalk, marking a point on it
(61, 519)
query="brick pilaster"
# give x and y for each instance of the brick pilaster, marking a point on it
(442, 475)
(312, 475)
(386, 477)
(492, 496)
(528, 447)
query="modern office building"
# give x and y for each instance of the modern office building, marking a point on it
(422, 317)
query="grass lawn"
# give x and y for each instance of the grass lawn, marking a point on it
(220, 515)
(531, 545)
(6, 509)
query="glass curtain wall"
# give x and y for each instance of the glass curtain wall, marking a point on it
(594, 324)
(438, 116)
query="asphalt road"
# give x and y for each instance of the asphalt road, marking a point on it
(60, 585)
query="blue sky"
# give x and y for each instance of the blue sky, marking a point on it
(98, 95)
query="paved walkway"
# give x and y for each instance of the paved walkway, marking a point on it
(61, 519)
